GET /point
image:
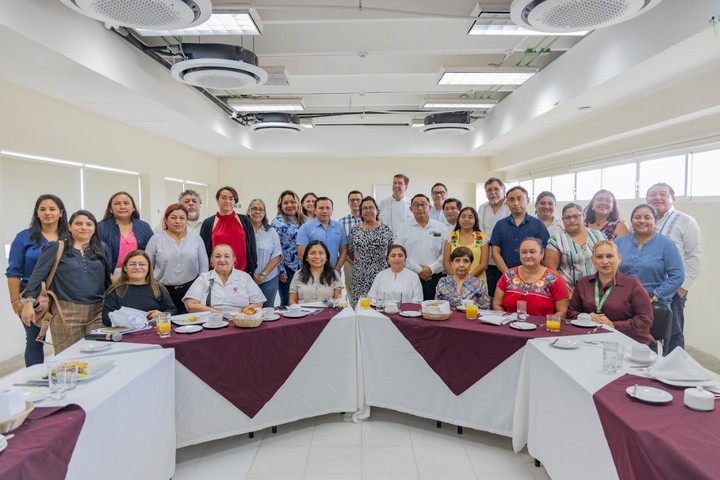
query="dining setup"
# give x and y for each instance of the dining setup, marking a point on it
(578, 396)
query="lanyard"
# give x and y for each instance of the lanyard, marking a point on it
(600, 302)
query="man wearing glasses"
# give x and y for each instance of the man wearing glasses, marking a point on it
(423, 238)
(439, 195)
(348, 222)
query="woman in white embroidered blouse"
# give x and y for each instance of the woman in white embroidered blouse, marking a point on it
(397, 281)
(316, 281)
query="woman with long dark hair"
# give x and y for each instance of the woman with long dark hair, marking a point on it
(602, 214)
(317, 280)
(48, 224)
(289, 219)
(80, 281)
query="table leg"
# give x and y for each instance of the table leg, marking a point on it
(274, 429)
(438, 424)
(537, 463)
(251, 434)
(460, 430)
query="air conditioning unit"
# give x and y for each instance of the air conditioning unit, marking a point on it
(447, 124)
(218, 66)
(276, 123)
(145, 14)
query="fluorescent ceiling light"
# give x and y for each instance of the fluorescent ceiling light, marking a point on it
(244, 22)
(110, 169)
(458, 104)
(307, 122)
(39, 158)
(417, 122)
(486, 76)
(496, 23)
(266, 104)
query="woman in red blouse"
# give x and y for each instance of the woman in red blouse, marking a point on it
(231, 228)
(543, 289)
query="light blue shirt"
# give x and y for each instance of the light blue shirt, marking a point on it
(333, 237)
(268, 247)
(657, 265)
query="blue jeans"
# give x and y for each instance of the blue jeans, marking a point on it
(270, 289)
(34, 353)
(677, 338)
(284, 289)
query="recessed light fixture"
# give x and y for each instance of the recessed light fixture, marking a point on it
(500, 23)
(486, 76)
(458, 104)
(242, 22)
(307, 122)
(417, 122)
(266, 104)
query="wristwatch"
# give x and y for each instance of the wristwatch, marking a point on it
(654, 298)
(27, 300)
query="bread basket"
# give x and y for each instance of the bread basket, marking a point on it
(14, 422)
(243, 320)
(435, 310)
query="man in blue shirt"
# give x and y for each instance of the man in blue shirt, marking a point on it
(322, 228)
(510, 231)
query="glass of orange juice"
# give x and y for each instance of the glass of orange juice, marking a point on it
(163, 327)
(552, 322)
(471, 311)
(365, 302)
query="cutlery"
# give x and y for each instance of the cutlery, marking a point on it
(32, 383)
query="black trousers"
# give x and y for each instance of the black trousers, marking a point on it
(493, 276)
(429, 286)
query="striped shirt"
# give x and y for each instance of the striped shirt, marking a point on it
(268, 247)
(575, 260)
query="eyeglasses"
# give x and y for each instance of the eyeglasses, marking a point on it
(368, 209)
(136, 265)
(603, 200)
(439, 193)
(577, 216)
(257, 209)
(420, 205)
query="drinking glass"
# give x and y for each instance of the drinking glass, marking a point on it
(57, 380)
(163, 325)
(71, 376)
(365, 302)
(612, 356)
(471, 311)
(522, 310)
(552, 322)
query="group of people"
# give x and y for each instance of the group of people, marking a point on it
(407, 249)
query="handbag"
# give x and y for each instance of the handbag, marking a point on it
(46, 296)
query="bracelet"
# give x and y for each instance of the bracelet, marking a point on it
(263, 275)
(28, 300)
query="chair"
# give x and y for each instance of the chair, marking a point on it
(662, 325)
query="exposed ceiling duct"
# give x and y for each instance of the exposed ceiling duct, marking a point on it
(145, 14)
(276, 123)
(447, 124)
(574, 15)
(218, 66)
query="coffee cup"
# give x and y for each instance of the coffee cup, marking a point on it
(391, 307)
(641, 352)
(268, 312)
(294, 309)
(468, 302)
(215, 319)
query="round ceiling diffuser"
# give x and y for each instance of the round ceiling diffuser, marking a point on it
(276, 123)
(145, 14)
(218, 66)
(557, 16)
(447, 124)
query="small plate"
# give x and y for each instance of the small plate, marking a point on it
(271, 319)
(649, 394)
(189, 329)
(3, 444)
(461, 308)
(189, 318)
(687, 383)
(211, 326)
(34, 395)
(95, 367)
(92, 347)
(523, 326)
(410, 313)
(566, 343)
(299, 314)
(649, 361)
(584, 323)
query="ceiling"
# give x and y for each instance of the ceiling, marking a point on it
(363, 68)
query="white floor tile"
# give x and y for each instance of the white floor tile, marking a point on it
(388, 460)
(297, 434)
(274, 459)
(217, 476)
(431, 436)
(334, 432)
(448, 476)
(487, 459)
(442, 459)
(382, 476)
(505, 476)
(381, 433)
(334, 460)
(273, 476)
(228, 457)
(332, 476)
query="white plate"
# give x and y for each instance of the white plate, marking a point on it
(3, 444)
(189, 329)
(461, 308)
(272, 318)
(649, 394)
(410, 313)
(34, 395)
(95, 368)
(211, 326)
(184, 319)
(92, 347)
(584, 323)
(687, 383)
(523, 326)
(653, 358)
(567, 343)
(299, 314)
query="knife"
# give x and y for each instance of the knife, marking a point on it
(32, 383)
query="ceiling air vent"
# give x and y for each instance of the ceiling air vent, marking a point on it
(447, 124)
(575, 15)
(218, 66)
(145, 14)
(276, 123)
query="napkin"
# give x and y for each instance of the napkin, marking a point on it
(12, 403)
(436, 306)
(129, 317)
(496, 318)
(679, 365)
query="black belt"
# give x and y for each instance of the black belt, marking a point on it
(179, 287)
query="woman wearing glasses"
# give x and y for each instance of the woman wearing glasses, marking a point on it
(602, 214)
(570, 252)
(269, 252)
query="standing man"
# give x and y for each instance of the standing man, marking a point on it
(685, 232)
(348, 222)
(451, 212)
(439, 193)
(424, 239)
(510, 231)
(489, 214)
(322, 228)
(193, 202)
(395, 210)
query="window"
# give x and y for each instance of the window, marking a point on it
(670, 170)
(527, 185)
(542, 185)
(563, 186)
(620, 180)
(705, 167)
(588, 182)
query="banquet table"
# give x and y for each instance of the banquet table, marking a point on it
(231, 381)
(456, 371)
(129, 427)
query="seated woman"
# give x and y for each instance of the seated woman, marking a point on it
(137, 288)
(543, 289)
(316, 280)
(397, 281)
(461, 285)
(613, 298)
(224, 289)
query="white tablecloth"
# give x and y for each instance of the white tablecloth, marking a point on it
(129, 429)
(397, 377)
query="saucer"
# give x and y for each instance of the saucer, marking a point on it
(523, 326)
(647, 361)
(271, 318)
(566, 343)
(92, 347)
(299, 314)
(212, 326)
(687, 383)
(649, 394)
(584, 323)
(410, 313)
(189, 329)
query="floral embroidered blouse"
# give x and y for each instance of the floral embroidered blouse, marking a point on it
(471, 289)
(475, 248)
(540, 295)
(287, 233)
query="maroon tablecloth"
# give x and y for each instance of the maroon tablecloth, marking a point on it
(462, 351)
(43, 445)
(244, 365)
(658, 441)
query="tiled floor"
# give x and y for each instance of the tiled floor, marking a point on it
(389, 446)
